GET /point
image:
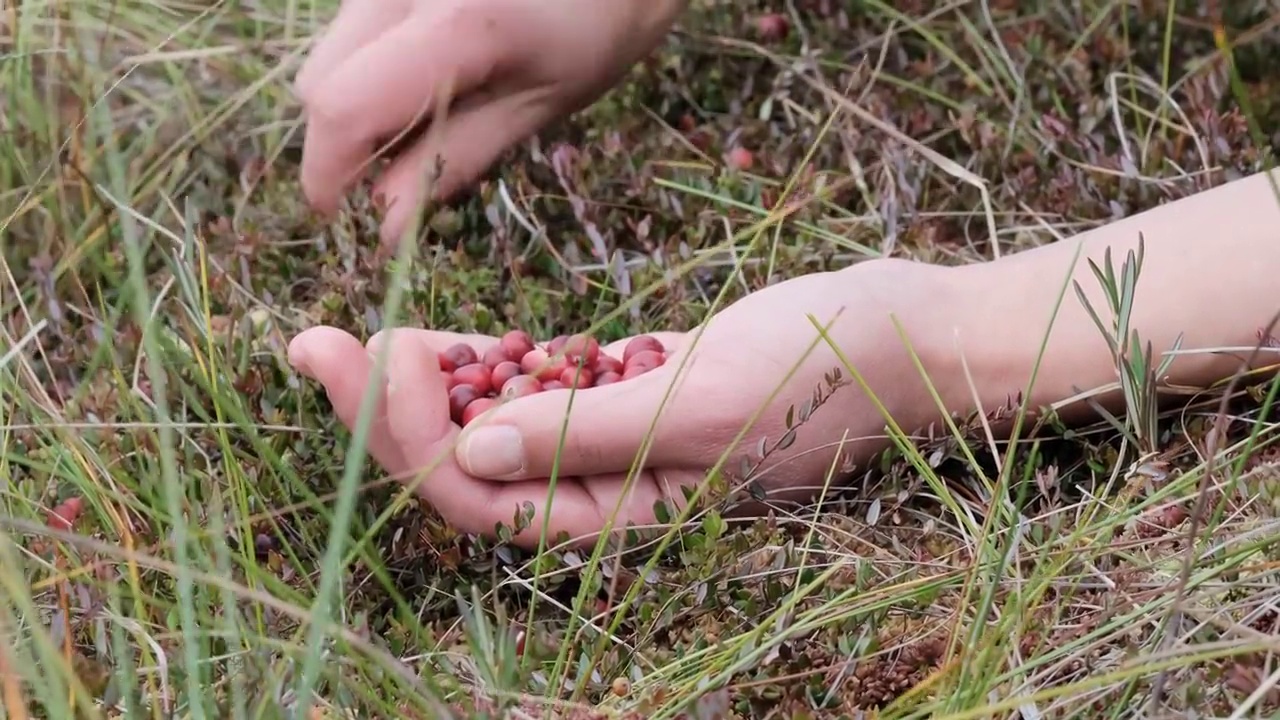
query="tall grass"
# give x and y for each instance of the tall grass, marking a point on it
(123, 381)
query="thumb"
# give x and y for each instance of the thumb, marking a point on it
(588, 431)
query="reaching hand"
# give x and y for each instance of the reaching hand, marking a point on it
(736, 371)
(505, 67)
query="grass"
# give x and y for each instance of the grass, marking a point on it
(234, 548)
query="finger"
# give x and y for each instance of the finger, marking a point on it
(426, 434)
(618, 503)
(358, 23)
(596, 430)
(387, 86)
(475, 506)
(439, 340)
(470, 141)
(341, 365)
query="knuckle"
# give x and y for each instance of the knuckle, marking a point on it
(582, 447)
(574, 442)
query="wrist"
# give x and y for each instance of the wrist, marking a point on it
(1024, 321)
(1017, 338)
(909, 313)
(952, 340)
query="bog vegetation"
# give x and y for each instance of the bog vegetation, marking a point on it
(169, 482)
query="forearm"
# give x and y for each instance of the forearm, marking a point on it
(1211, 274)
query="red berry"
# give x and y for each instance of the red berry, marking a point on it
(740, 158)
(494, 356)
(641, 363)
(639, 344)
(457, 356)
(607, 364)
(573, 377)
(64, 515)
(557, 344)
(772, 26)
(447, 378)
(476, 375)
(581, 348)
(608, 378)
(532, 361)
(556, 368)
(520, 386)
(459, 398)
(476, 408)
(516, 344)
(552, 385)
(552, 369)
(647, 359)
(538, 364)
(503, 373)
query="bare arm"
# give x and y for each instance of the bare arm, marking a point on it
(1211, 273)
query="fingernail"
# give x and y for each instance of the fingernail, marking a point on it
(495, 452)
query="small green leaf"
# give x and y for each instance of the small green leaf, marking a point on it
(713, 525)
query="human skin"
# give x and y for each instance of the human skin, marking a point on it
(1208, 275)
(504, 68)
(515, 65)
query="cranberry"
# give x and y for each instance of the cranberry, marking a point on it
(503, 373)
(459, 398)
(639, 344)
(477, 375)
(476, 408)
(457, 356)
(516, 344)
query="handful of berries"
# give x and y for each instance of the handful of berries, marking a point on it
(517, 366)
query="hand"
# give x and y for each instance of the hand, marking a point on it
(730, 376)
(505, 67)
(412, 431)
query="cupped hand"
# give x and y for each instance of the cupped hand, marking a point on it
(732, 383)
(505, 67)
(750, 367)
(413, 438)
